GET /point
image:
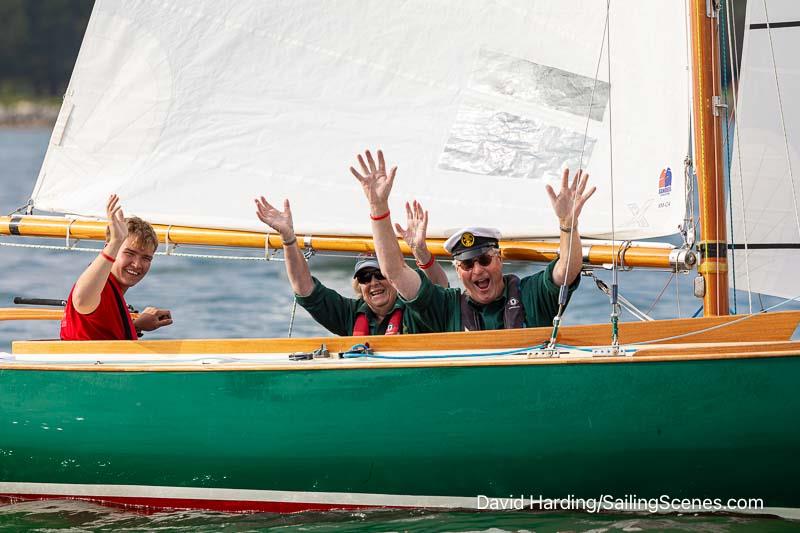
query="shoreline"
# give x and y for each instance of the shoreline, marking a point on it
(24, 113)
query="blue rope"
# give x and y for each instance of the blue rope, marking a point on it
(353, 354)
(697, 313)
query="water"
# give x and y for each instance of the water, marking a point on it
(83, 517)
(217, 299)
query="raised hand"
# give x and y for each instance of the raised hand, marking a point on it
(117, 226)
(376, 182)
(417, 230)
(280, 221)
(570, 199)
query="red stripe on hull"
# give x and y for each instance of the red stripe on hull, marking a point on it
(226, 506)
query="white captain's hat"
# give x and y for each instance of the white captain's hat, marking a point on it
(472, 241)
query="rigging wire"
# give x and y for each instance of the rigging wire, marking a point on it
(783, 119)
(307, 255)
(689, 229)
(615, 310)
(717, 184)
(562, 295)
(718, 326)
(661, 293)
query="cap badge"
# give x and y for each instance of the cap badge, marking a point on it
(467, 239)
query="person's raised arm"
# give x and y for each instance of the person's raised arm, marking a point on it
(86, 294)
(296, 265)
(415, 236)
(567, 206)
(377, 185)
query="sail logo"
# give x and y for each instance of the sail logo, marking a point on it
(665, 182)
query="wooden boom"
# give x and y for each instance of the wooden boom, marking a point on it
(661, 257)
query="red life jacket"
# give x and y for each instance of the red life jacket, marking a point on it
(395, 327)
(110, 321)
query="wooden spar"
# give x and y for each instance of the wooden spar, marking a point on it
(708, 157)
(28, 313)
(31, 313)
(541, 251)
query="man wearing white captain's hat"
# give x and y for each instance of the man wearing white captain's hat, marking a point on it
(489, 300)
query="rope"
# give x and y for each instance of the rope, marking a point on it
(67, 242)
(167, 247)
(357, 351)
(353, 354)
(307, 255)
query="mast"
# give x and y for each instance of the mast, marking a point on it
(708, 161)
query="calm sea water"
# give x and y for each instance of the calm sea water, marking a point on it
(217, 299)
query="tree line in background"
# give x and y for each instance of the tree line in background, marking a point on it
(39, 42)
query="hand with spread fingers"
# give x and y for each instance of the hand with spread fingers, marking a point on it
(283, 223)
(417, 222)
(375, 180)
(377, 185)
(118, 227)
(567, 206)
(415, 235)
(570, 199)
(280, 221)
(152, 318)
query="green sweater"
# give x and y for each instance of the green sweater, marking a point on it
(436, 309)
(338, 314)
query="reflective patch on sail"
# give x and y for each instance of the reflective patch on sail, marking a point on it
(492, 142)
(496, 73)
(521, 119)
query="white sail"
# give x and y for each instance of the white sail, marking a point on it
(189, 110)
(765, 169)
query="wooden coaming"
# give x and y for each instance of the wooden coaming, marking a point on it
(760, 328)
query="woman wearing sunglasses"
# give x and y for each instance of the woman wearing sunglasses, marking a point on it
(376, 310)
(489, 299)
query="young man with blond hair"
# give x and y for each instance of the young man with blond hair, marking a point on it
(96, 307)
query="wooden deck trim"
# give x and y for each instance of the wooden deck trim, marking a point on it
(653, 354)
(763, 327)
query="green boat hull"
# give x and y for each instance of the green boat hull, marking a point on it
(687, 429)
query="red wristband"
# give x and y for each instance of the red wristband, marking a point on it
(106, 256)
(427, 265)
(379, 217)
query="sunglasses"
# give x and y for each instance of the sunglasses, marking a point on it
(484, 260)
(365, 276)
